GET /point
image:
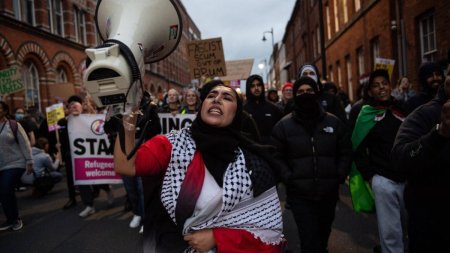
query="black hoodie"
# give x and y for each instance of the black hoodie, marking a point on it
(265, 114)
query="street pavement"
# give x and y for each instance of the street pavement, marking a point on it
(49, 228)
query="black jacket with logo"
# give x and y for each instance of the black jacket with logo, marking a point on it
(316, 163)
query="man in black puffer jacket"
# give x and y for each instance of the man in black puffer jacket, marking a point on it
(422, 151)
(317, 149)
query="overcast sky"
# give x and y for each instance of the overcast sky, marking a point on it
(241, 24)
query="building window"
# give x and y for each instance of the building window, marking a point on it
(80, 25)
(61, 76)
(55, 17)
(327, 10)
(336, 16)
(348, 64)
(345, 11)
(339, 74)
(428, 38)
(360, 58)
(375, 47)
(24, 11)
(357, 5)
(31, 81)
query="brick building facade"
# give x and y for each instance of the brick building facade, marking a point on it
(46, 41)
(355, 32)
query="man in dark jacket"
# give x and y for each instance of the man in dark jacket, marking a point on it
(431, 78)
(75, 108)
(317, 150)
(375, 130)
(422, 151)
(265, 113)
(330, 102)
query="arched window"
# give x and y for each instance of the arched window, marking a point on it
(61, 75)
(31, 82)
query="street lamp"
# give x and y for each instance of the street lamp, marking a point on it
(263, 65)
(271, 33)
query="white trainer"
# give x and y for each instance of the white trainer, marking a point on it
(136, 221)
(87, 211)
(141, 231)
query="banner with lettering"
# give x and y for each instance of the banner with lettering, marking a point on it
(92, 159)
(170, 122)
(10, 81)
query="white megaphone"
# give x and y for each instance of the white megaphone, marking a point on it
(134, 32)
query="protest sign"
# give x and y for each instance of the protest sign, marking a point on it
(10, 81)
(54, 113)
(92, 157)
(387, 64)
(206, 58)
(170, 122)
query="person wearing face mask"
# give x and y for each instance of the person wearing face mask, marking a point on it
(15, 158)
(28, 124)
(316, 146)
(330, 102)
(217, 187)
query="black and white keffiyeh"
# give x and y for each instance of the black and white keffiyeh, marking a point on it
(259, 215)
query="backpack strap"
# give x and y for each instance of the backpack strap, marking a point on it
(13, 126)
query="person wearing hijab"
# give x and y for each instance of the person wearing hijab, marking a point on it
(316, 146)
(216, 187)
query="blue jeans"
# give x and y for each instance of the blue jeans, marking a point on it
(8, 180)
(391, 213)
(135, 192)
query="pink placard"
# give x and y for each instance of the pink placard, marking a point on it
(95, 169)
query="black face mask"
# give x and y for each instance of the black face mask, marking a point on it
(306, 105)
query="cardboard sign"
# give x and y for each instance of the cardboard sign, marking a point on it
(387, 64)
(206, 58)
(54, 113)
(10, 81)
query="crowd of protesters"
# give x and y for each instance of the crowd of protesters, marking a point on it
(308, 136)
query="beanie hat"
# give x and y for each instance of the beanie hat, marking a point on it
(308, 81)
(377, 73)
(426, 70)
(310, 67)
(287, 85)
